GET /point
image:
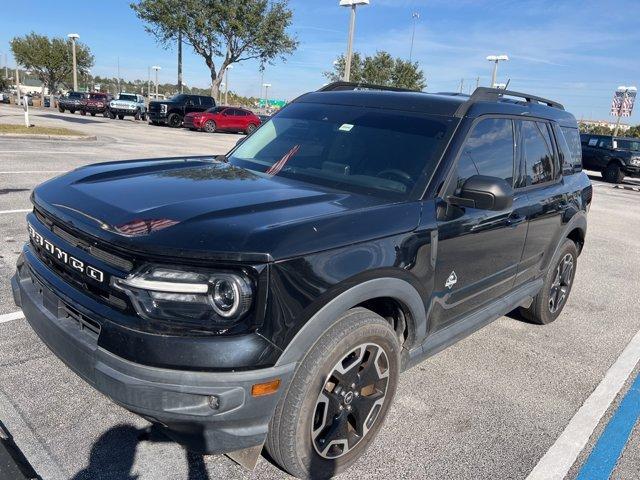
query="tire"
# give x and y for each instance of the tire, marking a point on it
(93, 114)
(106, 114)
(547, 306)
(120, 117)
(143, 117)
(136, 115)
(83, 113)
(112, 115)
(613, 173)
(61, 110)
(152, 122)
(314, 394)
(209, 126)
(72, 111)
(175, 120)
(250, 129)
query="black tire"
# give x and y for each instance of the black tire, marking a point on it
(250, 129)
(120, 117)
(152, 122)
(72, 111)
(613, 173)
(175, 120)
(314, 394)
(550, 301)
(83, 113)
(136, 116)
(143, 117)
(93, 114)
(61, 110)
(209, 126)
(112, 115)
(106, 114)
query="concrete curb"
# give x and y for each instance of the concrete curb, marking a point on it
(627, 187)
(37, 136)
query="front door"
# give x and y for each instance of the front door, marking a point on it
(478, 251)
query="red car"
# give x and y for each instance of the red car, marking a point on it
(96, 102)
(217, 119)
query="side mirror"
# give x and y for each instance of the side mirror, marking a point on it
(484, 193)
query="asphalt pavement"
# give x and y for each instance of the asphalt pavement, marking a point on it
(491, 406)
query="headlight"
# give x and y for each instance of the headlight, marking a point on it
(163, 108)
(172, 294)
(635, 161)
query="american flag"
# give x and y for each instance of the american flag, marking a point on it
(136, 228)
(622, 104)
(276, 167)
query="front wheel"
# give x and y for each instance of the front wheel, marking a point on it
(83, 113)
(552, 298)
(112, 115)
(209, 126)
(93, 114)
(250, 129)
(120, 117)
(175, 120)
(338, 397)
(137, 115)
(61, 110)
(613, 173)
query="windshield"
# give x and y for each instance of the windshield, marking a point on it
(633, 145)
(179, 98)
(353, 148)
(216, 109)
(127, 97)
(75, 95)
(97, 96)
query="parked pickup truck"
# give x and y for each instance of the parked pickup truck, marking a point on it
(272, 296)
(72, 101)
(128, 105)
(96, 103)
(172, 111)
(615, 157)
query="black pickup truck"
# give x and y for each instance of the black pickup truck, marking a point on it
(272, 296)
(171, 112)
(615, 157)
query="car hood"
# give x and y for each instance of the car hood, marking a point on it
(123, 103)
(203, 208)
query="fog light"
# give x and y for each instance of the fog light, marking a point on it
(214, 402)
(266, 388)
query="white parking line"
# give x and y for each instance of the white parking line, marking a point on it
(16, 211)
(563, 453)
(9, 317)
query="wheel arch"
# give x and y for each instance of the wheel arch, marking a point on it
(394, 299)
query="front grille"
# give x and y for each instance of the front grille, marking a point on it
(155, 107)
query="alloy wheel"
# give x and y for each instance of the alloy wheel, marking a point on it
(351, 398)
(561, 283)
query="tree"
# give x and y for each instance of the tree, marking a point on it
(233, 30)
(50, 59)
(380, 69)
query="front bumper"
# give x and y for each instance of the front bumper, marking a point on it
(208, 412)
(94, 108)
(123, 111)
(632, 170)
(157, 117)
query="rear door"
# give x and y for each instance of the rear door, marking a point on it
(479, 251)
(192, 104)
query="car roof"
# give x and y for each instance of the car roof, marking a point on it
(484, 101)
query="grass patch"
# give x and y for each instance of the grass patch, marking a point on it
(10, 128)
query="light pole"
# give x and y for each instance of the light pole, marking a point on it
(156, 68)
(226, 81)
(416, 17)
(266, 94)
(74, 37)
(626, 91)
(352, 26)
(496, 59)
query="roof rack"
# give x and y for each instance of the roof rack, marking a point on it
(341, 85)
(485, 94)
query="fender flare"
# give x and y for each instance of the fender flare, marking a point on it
(579, 221)
(395, 288)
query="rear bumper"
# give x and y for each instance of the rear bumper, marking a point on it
(208, 412)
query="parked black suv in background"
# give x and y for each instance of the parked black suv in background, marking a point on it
(273, 296)
(172, 111)
(72, 101)
(615, 157)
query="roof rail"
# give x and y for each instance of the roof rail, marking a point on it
(341, 85)
(485, 94)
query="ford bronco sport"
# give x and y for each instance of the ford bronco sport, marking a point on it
(272, 296)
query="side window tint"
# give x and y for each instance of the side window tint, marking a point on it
(572, 138)
(537, 153)
(488, 151)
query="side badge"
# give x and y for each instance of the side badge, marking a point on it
(451, 281)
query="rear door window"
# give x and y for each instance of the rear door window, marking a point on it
(538, 153)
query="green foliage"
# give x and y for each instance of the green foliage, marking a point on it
(234, 30)
(380, 69)
(4, 83)
(633, 132)
(50, 59)
(602, 130)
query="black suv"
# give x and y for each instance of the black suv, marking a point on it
(72, 101)
(172, 111)
(273, 295)
(615, 157)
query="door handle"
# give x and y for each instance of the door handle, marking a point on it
(515, 220)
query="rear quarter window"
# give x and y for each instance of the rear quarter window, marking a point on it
(571, 136)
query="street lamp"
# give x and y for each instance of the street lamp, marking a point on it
(74, 37)
(226, 81)
(352, 26)
(156, 68)
(266, 94)
(496, 59)
(416, 17)
(625, 90)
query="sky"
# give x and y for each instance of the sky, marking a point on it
(574, 51)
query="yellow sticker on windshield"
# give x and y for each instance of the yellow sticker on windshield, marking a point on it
(345, 127)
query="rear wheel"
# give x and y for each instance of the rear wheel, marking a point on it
(338, 397)
(175, 120)
(112, 115)
(209, 126)
(83, 113)
(552, 298)
(72, 111)
(613, 173)
(120, 117)
(137, 115)
(61, 110)
(93, 114)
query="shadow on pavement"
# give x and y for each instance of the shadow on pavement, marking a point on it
(70, 118)
(113, 455)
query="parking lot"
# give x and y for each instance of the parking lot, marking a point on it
(491, 406)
